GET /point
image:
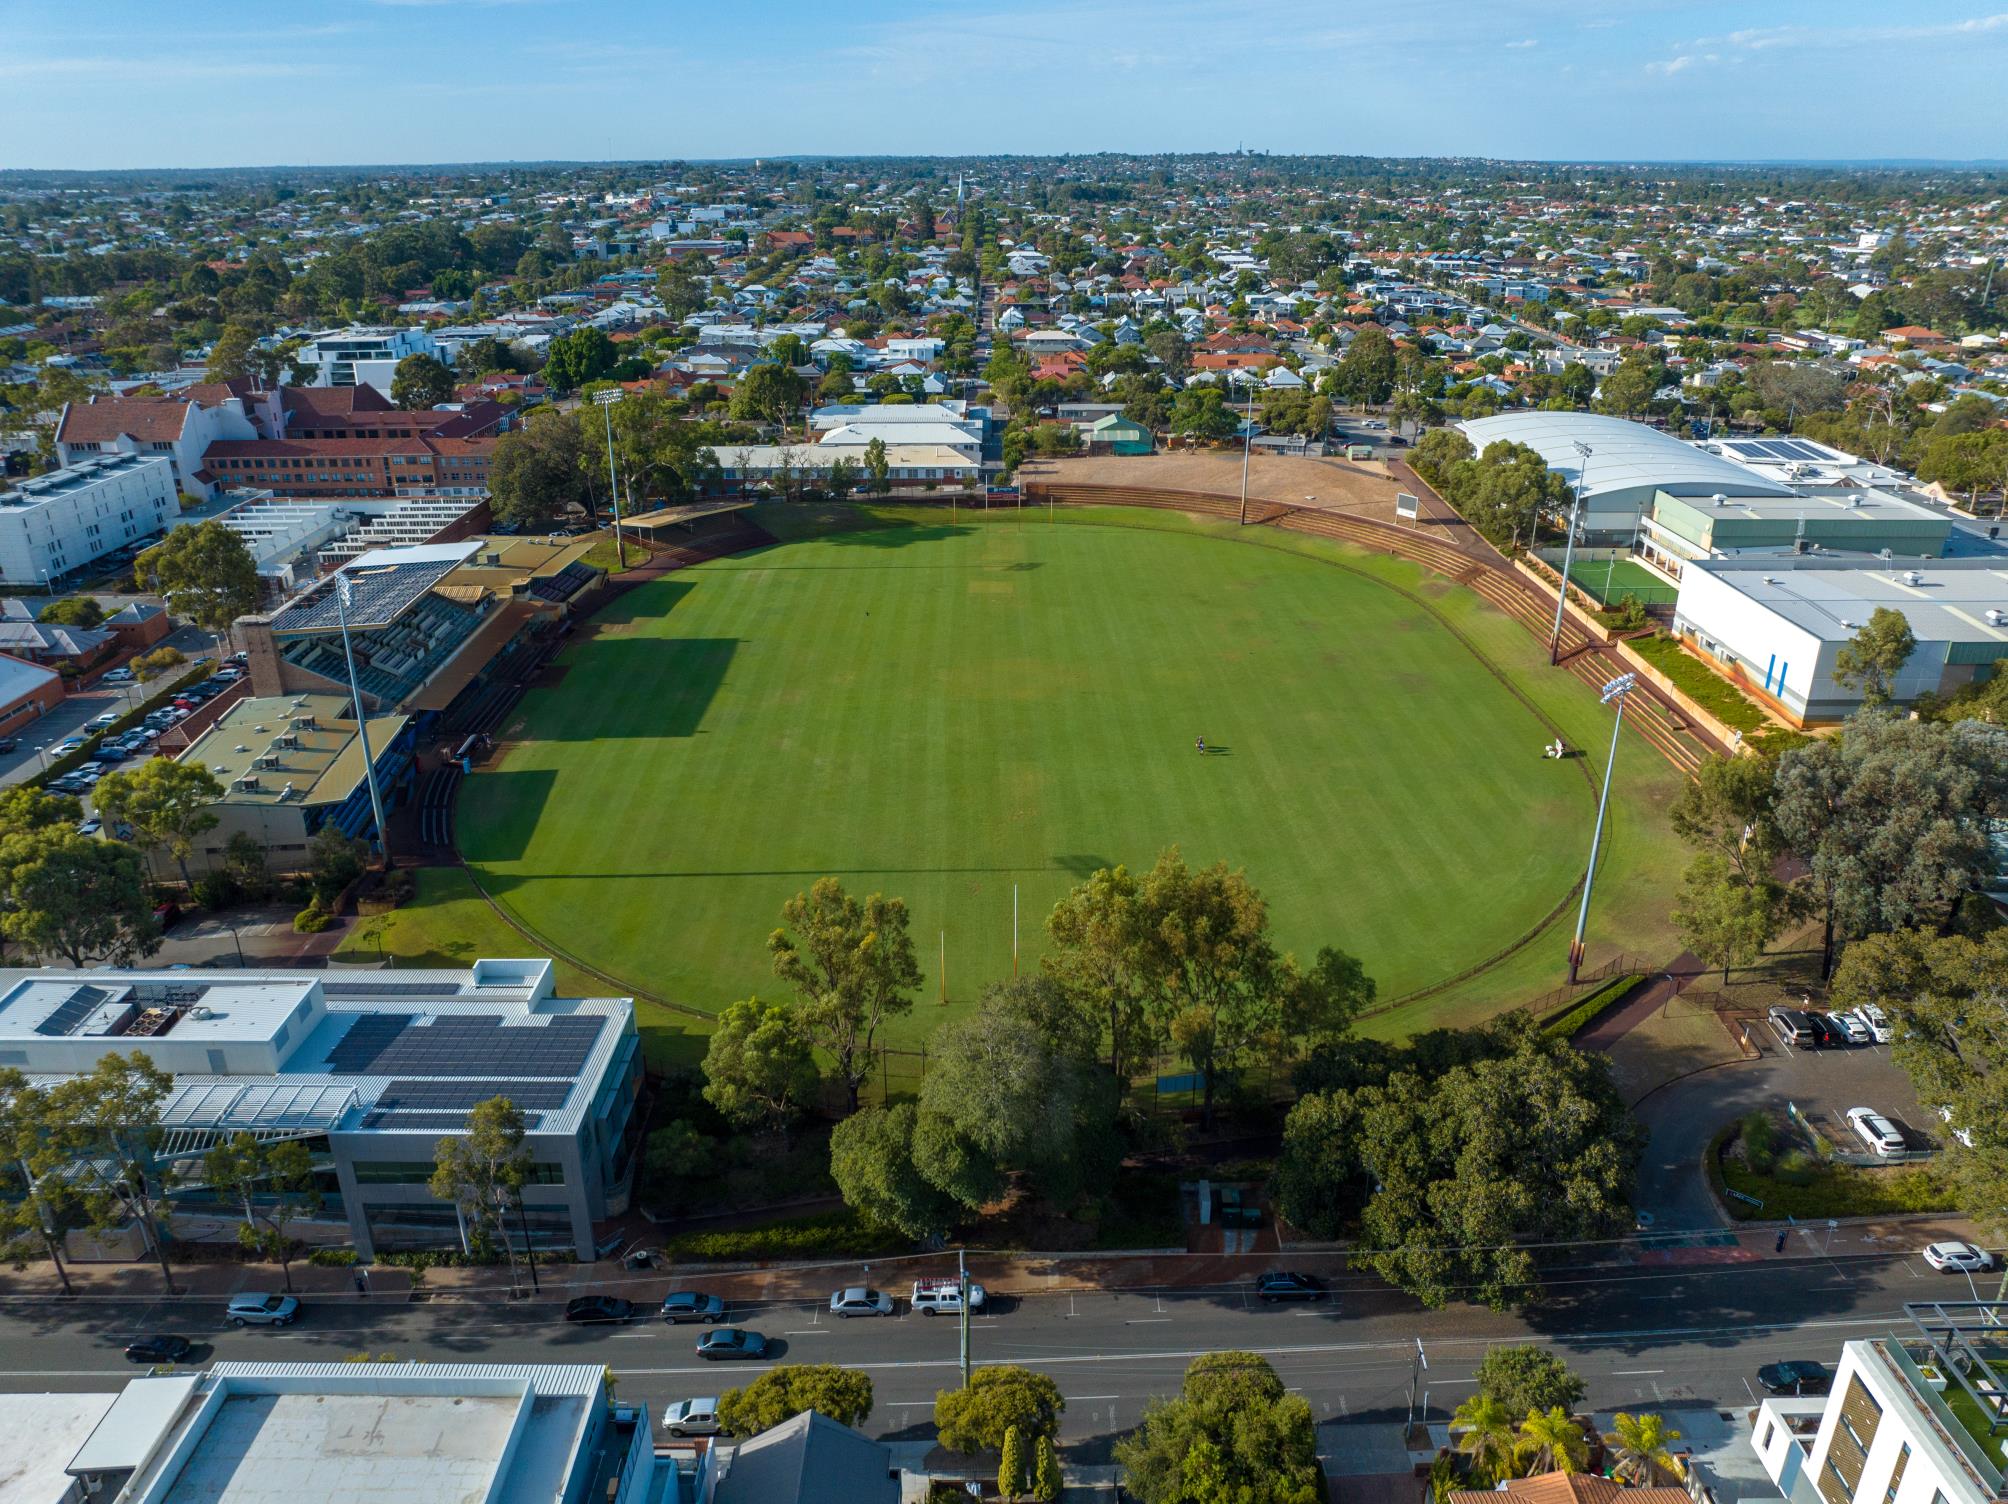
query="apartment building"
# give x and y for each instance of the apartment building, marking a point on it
(61, 521)
(359, 356)
(181, 429)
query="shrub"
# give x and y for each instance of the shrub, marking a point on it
(217, 890)
(828, 1235)
(312, 919)
(1700, 683)
(1795, 1167)
(1580, 1014)
(1760, 1142)
(335, 1258)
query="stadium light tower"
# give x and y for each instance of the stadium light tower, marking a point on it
(1247, 446)
(606, 400)
(1616, 690)
(343, 589)
(1583, 452)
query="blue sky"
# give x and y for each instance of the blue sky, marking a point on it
(120, 83)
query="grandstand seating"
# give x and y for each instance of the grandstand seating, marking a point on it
(394, 661)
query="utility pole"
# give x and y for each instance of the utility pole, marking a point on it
(343, 588)
(1415, 1372)
(962, 1284)
(1568, 553)
(1616, 690)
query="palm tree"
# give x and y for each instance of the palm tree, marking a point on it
(1488, 1436)
(1552, 1443)
(1643, 1447)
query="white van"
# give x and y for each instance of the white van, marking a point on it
(945, 1295)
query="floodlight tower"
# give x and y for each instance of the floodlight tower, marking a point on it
(343, 589)
(606, 400)
(1616, 690)
(1583, 452)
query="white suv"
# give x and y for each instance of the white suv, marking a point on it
(932, 1295)
(1875, 1130)
(251, 1309)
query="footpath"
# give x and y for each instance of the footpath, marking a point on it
(1002, 1274)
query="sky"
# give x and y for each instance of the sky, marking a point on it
(209, 83)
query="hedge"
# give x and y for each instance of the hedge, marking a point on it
(1578, 1016)
(827, 1235)
(71, 761)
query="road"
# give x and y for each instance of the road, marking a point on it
(1687, 1334)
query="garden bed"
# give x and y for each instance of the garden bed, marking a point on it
(1789, 1175)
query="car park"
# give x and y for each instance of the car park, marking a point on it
(1800, 1376)
(1954, 1257)
(588, 1308)
(159, 1349)
(692, 1417)
(857, 1300)
(1282, 1284)
(692, 1305)
(731, 1342)
(254, 1308)
(1881, 1135)
(934, 1296)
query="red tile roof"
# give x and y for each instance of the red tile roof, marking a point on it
(147, 419)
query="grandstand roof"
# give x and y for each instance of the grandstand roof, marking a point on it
(387, 582)
(1625, 456)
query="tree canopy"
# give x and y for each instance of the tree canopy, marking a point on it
(1232, 1432)
(842, 1394)
(205, 571)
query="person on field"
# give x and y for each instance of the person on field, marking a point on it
(1200, 743)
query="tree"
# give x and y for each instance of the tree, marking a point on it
(1630, 389)
(421, 382)
(1726, 810)
(1891, 817)
(842, 1394)
(1202, 412)
(272, 1183)
(76, 897)
(877, 466)
(872, 1163)
(1452, 1170)
(1437, 452)
(851, 963)
(536, 473)
(997, 1400)
(1365, 374)
(1871, 659)
(1550, 1442)
(230, 358)
(167, 804)
(205, 571)
(101, 1128)
(1644, 1448)
(334, 861)
(1231, 1433)
(483, 1172)
(31, 1206)
(1523, 1379)
(572, 360)
(1488, 1437)
(1011, 1469)
(73, 611)
(684, 287)
(767, 393)
(1725, 919)
(760, 1069)
(150, 666)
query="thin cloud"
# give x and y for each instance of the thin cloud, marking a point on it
(1530, 42)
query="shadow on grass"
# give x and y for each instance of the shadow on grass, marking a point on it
(604, 693)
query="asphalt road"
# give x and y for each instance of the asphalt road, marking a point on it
(1669, 1334)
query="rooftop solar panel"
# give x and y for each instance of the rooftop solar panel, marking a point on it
(79, 1006)
(386, 1044)
(459, 1096)
(380, 595)
(393, 1122)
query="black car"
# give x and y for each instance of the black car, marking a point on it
(1280, 1284)
(731, 1342)
(598, 1308)
(1801, 1377)
(161, 1349)
(1827, 1031)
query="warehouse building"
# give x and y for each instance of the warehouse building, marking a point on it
(370, 1071)
(1778, 624)
(1866, 525)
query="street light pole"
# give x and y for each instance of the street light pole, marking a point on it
(1616, 690)
(606, 400)
(1247, 446)
(343, 590)
(1568, 553)
(962, 1285)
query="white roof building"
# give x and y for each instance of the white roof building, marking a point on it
(940, 435)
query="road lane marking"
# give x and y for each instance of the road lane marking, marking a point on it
(1148, 1321)
(808, 1331)
(1634, 1373)
(1085, 1398)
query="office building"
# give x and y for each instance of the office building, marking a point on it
(358, 356)
(369, 1070)
(59, 522)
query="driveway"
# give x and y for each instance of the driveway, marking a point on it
(1681, 1117)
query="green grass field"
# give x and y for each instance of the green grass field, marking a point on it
(947, 709)
(1611, 580)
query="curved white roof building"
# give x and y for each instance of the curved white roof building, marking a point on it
(1627, 463)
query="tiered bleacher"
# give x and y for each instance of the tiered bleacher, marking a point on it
(563, 585)
(393, 661)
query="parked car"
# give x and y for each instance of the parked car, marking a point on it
(1794, 1028)
(102, 722)
(1827, 1031)
(68, 745)
(1878, 1132)
(89, 827)
(692, 1305)
(9, 743)
(1282, 1284)
(731, 1342)
(256, 1309)
(159, 1349)
(598, 1308)
(859, 1301)
(1852, 1029)
(118, 676)
(1876, 1022)
(1796, 1377)
(166, 912)
(935, 1295)
(1958, 1258)
(692, 1417)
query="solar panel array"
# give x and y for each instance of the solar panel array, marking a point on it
(384, 1044)
(381, 594)
(1777, 449)
(462, 1096)
(427, 1121)
(79, 1006)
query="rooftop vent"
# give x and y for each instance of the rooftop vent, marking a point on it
(288, 793)
(1996, 616)
(247, 783)
(1719, 499)
(1913, 577)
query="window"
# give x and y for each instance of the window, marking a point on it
(1896, 1474)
